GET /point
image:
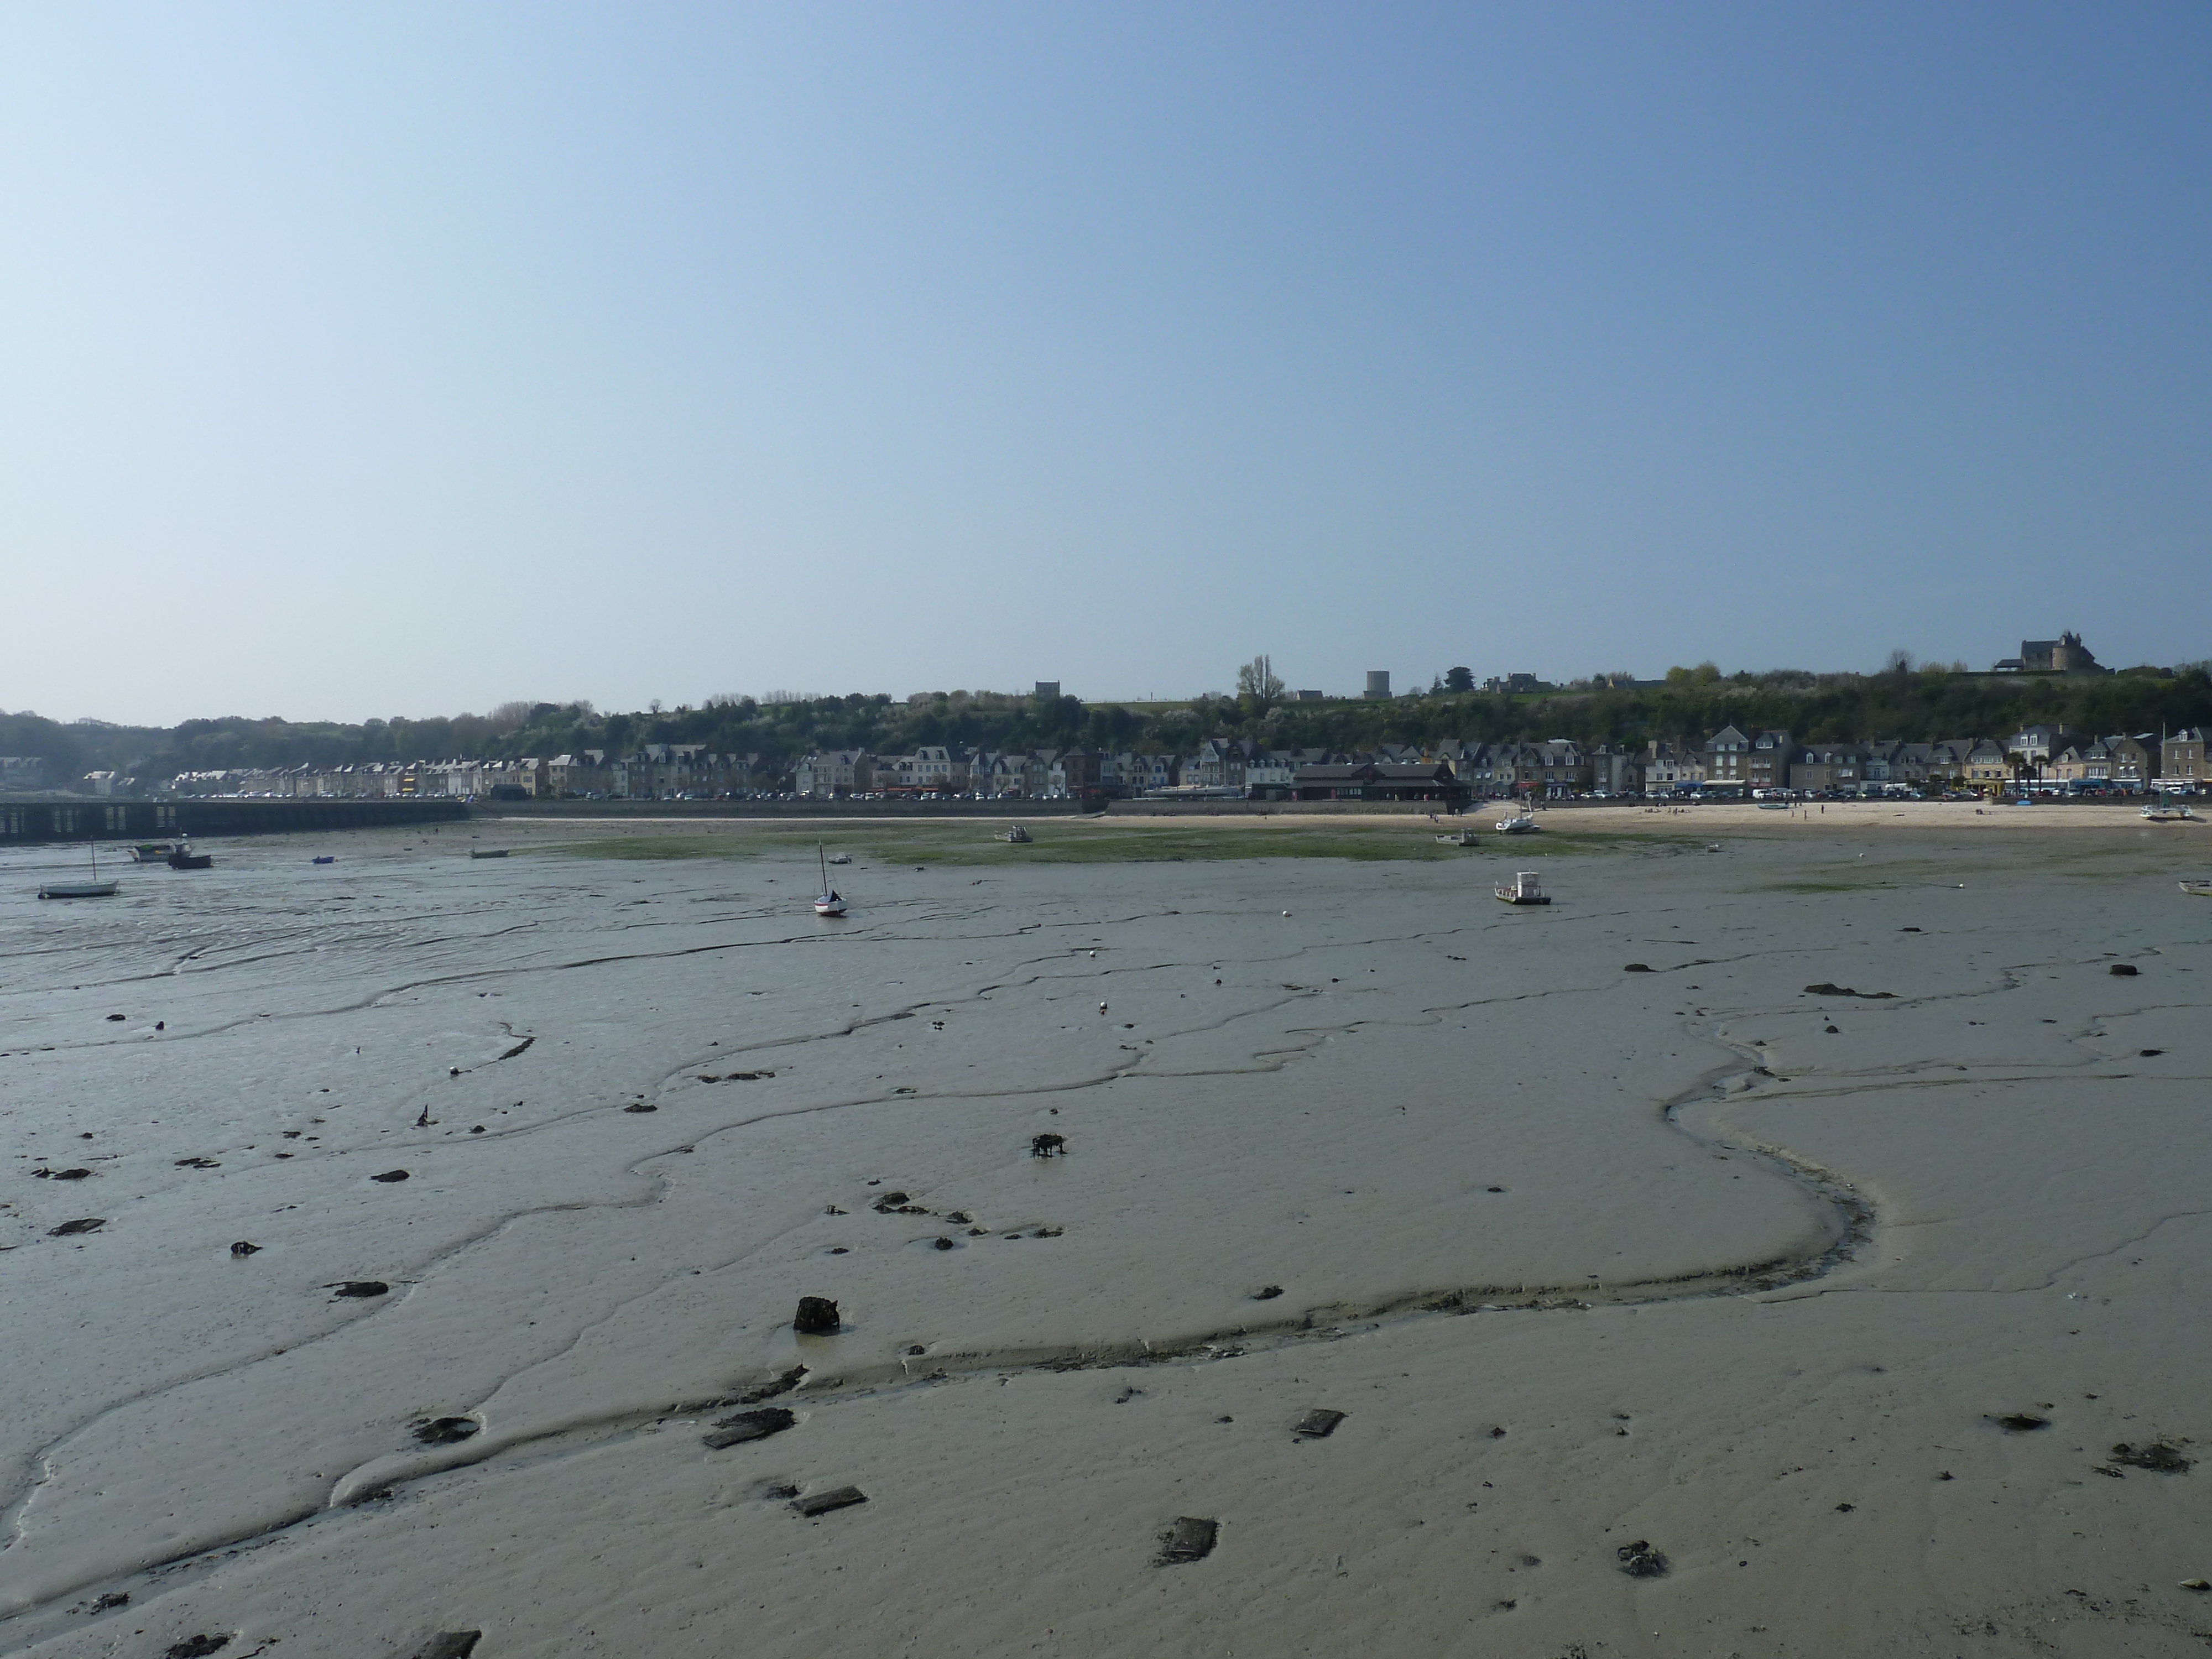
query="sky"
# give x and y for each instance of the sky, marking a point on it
(406, 359)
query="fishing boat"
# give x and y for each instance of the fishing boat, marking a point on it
(181, 857)
(2197, 889)
(489, 852)
(828, 901)
(325, 858)
(94, 888)
(1524, 889)
(151, 852)
(842, 858)
(1519, 824)
(1458, 838)
(1014, 833)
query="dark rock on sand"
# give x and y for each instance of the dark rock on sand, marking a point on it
(116, 1016)
(775, 1386)
(361, 1287)
(1826, 989)
(1640, 1560)
(91, 1223)
(62, 1175)
(245, 1247)
(447, 1431)
(112, 1599)
(390, 1175)
(1637, 968)
(2021, 1423)
(1318, 1423)
(2158, 1455)
(2150, 1053)
(837, 1498)
(198, 1647)
(1267, 1293)
(943, 1244)
(450, 1645)
(641, 1106)
(2123, 969)
(749, 1425)
(1190, 1539)
(816, 1316)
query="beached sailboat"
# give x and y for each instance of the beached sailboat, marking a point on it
(94, 888)
(2160, 811)
(828, 901)
(1014, 833)
(1524, 889)
(1521, 823)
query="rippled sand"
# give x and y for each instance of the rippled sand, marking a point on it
(1588, 1257)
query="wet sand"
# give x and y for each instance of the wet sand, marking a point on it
(1589, 1258)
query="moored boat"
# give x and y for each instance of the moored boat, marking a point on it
(1016, 833)
(1458, 838)
(828, 901)
(1524, 888)
(489, 852)
(1519, 824)
(181, 857)
(2163, 811)
(151, 852)
(2198, 888)
(69, 889)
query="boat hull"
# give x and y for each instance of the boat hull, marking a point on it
(69, 889)
(1515, 898)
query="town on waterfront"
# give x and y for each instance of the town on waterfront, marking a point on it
(2051, 721)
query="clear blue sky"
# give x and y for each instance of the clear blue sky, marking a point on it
(406, 359)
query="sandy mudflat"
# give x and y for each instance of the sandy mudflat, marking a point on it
(1588, 1257)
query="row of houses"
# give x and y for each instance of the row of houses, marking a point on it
(1730, 762)
(659, 771)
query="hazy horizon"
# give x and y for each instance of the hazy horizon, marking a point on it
(407, 361)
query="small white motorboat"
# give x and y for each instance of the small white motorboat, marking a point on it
(1458, 838)
(1524, 889)
(842, 858)
(828, 901)
(1519, 824)
(2197, 889)
(1016, 833)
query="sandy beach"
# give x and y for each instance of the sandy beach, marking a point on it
(1766, 1249)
